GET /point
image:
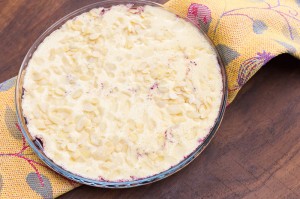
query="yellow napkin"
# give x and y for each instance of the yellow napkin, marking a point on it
(22, 174)
(247, 33)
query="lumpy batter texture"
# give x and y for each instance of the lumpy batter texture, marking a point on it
(120, 94)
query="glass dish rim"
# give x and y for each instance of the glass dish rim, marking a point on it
(112, 184)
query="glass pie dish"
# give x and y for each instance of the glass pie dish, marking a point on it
(37, 145)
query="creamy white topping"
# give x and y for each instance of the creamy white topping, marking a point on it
(123, 94)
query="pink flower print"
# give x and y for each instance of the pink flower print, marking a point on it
(200, 15)
(249, 67)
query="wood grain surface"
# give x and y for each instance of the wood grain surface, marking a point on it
(256, 152)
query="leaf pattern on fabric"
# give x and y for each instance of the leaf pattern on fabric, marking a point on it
(41, 185)
(11, 120)
(200, 15)
(249, 67)
(8, 84)
(259, 26)
(290, 33)
(227, 53)
(291, 49)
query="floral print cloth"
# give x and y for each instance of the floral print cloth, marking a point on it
(247, 34)
(22, 174)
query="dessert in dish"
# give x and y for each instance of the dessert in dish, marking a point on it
(122, 93)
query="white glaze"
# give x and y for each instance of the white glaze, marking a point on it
(122, 95)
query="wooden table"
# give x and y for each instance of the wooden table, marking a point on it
(256, 152)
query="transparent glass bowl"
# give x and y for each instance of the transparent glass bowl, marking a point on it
(36, 145)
